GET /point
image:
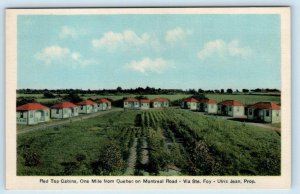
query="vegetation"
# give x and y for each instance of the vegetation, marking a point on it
(245, 98)
(143, 91)
(167, 142)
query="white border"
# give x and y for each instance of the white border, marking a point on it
(274, 182)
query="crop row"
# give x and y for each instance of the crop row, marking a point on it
(206, 146)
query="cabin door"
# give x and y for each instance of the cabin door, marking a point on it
(38, 115)
(201, 107)
(257, 115)
(223, 110)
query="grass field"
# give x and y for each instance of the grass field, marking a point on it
(245, 99)
(167, 142)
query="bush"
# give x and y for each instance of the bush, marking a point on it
(110, 160)
(31, 157)
(202, 161)
(117, 103)
(74, 98)
(24, 100)
(49, 95)
(69, 167)
(80, 157)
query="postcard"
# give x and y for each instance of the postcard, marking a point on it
(148, 98)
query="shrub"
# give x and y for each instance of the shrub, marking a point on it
(25, 100)
(72, 97)
(69, 167)
(49, 95)
(31, 157)
(202, 162)
(110, 160)
(80, 157)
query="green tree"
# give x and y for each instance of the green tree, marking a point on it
(229, 91)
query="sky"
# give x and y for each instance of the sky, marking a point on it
(208, 51)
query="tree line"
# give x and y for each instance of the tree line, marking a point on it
(49, 93)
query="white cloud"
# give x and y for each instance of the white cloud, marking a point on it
(221, 48)
(48, 54)
(177, 34)
(148, 65)
(68, 32)
(113, 40)
(59, 55)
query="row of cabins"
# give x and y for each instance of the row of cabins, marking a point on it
(268, 112)
(133, 103)
(33, 113)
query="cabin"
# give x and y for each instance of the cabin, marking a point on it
(160, 103)
(267, 112)
(190, 103)
(64, 110)
(145, 103)
(103, 104)
(231, 108)
(87, 107)
(32, 113)
(208, 106)
(131, 103)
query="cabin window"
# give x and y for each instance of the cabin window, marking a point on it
(57, 111)
(81, 107)
(267, 113)
(31, 114)
(126, 103)
(21, 114)
(229, 108)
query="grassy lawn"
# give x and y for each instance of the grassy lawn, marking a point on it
(245, 99)
(184, 140)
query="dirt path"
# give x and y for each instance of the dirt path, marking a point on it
(131, 159)
(263, 126)
(56, 123)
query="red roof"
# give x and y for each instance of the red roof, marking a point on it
(131, 100)
(86, 102)
(231, 103)
(64, 105)
(32, 106)
(208, 101)
(145, 101)
(190, 100)
(160, 100)
(265, 105)
(103, 100)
